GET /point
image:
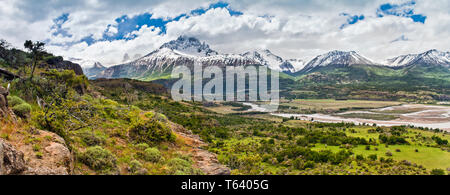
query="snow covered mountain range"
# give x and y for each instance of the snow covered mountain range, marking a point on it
(431, 57)
(90, 68)
(274, 62)
(187, 50)
(337, 58)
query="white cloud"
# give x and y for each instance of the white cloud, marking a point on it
(292, 29)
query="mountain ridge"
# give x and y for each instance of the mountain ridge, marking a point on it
(432, 56)
(187, 50)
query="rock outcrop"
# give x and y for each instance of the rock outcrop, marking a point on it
(56, 157)
(60, 63)
(11, 160)
(4, 110)
(21, 159)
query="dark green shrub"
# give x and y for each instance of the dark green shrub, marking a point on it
(142, 146)
(152, 155)
(99, 159)
(182, 167)
(22, 110)
(359, 157)
(388, 153)
(151, 132)
(14, 101)
(439, 140)
(437, 172)
(91, 139)
(136, 168)
(373, 157)
(310, 165)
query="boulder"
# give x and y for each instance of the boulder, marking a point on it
(5, 111)
(3, 104)
(11, 160)
(56, 157)
(59, 153)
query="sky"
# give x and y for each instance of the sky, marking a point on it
(106, 30)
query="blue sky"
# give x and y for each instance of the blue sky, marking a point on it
(105, 30)
(125, 25)
(401, 10)
(59, 21)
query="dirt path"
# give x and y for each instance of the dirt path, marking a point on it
(204, 160)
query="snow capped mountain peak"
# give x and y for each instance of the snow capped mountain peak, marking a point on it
(87, 64)
(297, 64)
(434, 57)
(98, 65)
(266, 58)
(338, 58)
(92, 68)
(430, 57)
(190, 46)
(400, 60)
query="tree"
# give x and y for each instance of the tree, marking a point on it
(4, 46)
(37, 51)
(4, 50)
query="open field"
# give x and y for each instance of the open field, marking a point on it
(429, 155)
(223, 109)
(430, 158)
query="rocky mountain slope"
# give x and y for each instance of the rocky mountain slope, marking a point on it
(188, 50)
(431, 57)
(337, 58)
(93, 71)
(274, 62)
(183, 51)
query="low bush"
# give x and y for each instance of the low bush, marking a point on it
(99, 159)
(151, 132)
(437, 172)
(182, 167)
(373, 157)
(22, 110)
(152, 155)
(136, 168)
(91, 138)
(14, 101)
(142, 146)
(388, 153)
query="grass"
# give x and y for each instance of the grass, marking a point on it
(430, 158)
(223, 109)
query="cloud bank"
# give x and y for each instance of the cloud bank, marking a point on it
(105, 31)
